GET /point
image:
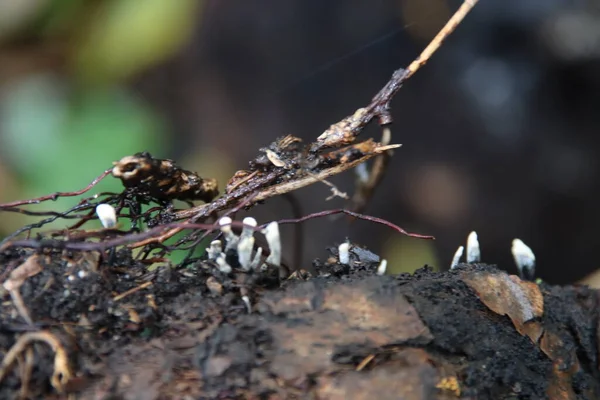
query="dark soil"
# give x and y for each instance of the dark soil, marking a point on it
(344, 333)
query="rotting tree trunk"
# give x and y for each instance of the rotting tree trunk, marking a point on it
(351, 336)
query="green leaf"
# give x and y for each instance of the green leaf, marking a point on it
(127, 36)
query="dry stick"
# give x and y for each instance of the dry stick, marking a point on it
(164, 232)
(131, 291)
(26, 373)
(380, 105)
(17, 277)
(346, 130)
(39, 224)
(365, 190)
(355, 215)
(19, 304)
(364, 362)
(437, 41)
(154, 233)
(286, 187)
(56, 195)
(159, 239)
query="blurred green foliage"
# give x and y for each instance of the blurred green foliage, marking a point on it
(60, 128)
(128, 35)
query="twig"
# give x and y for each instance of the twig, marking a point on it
(27, 369)
(17, 277)
(345, 131)
(259, 190)
(56, 195)
(156, 233)
(335, 192)
(364, 362)
(19, 304)
(356, 215)
(157, 239)
(131, 291)
(29, 228)
(437, 41)
(286, 187)
(106, 244)
(27, 269)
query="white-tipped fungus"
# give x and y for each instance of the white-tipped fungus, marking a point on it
(382, 267)
(344, 253)
(107, 215)
(244, 249)
(457, 256)
(473, 251)
(231, 239)
(271, 233)
(215, 249)
(246, 301)
(224, 267)
(256, 260)
(249, 225)
(524, 259)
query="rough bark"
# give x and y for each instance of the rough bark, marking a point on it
(346, 333)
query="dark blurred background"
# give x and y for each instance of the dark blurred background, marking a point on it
(499, 129)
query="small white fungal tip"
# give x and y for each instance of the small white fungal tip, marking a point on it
(244, 249)
(246, 301)
(247, 230)
(382, 267)
(256, 260)
(271, 233)
(473, 251)
(215, 249)
(224, 267)
(82, 274)
(107, 215)
(71, 277)
(231, 239)
(524, 258)
(344, 253)
(250, 221)
(225, 223)
(457, 256)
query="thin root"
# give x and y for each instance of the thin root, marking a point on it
(62, 372)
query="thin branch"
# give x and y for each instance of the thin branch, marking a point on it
(437, 41)
(381, 221)
(56, 195)
(287, 187)
(345, 131)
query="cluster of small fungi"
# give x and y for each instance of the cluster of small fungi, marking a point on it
(522, 255)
